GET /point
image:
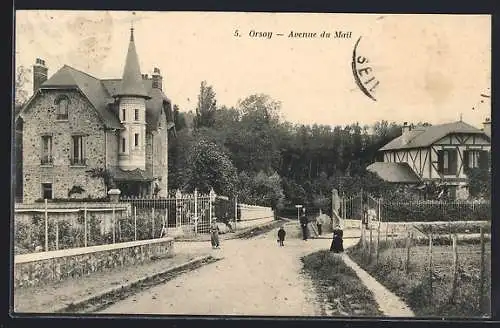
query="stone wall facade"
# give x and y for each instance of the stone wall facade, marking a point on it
(39, 120)
(157, 155)
(41, 268)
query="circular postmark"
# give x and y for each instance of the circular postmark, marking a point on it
(363, 73)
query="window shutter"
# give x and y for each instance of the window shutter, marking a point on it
(484, 158)
(453, 161)
(440, 161)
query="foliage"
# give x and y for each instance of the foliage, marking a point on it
(309, 160)
(480, 182)
(422, 211)
(75, 190)
(339, 284)
(104, 174)
(206, 107)
(22, 78)
(179, 119)
(261, 189)
(208, 167)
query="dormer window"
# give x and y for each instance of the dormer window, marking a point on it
(62, 103)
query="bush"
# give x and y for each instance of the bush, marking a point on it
(434, 211)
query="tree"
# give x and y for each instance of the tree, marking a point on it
(206, 107)
(209, 167)
(179, 119)
(22, 78)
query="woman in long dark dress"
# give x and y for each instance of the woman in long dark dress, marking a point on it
(337, 242)
(214, 234)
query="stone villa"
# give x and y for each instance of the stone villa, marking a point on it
(78, 131)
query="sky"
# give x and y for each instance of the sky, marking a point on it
(429, 68)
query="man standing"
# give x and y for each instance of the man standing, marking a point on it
(319, 221)
(303, 224)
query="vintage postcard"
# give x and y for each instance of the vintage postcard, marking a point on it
(252, 164)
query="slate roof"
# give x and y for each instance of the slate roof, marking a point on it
(91, 87)
(425, 136)
(101, 94)
(394, 172)
(154, 105)
(131, 84)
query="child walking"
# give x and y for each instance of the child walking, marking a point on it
(281, 236)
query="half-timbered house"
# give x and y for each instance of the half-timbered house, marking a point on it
(441, 153)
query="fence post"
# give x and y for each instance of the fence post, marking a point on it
(378, 231)
(481, 272)
(408, 247)
(85, 224)
(210, 202)
(430, 268)
(57, 234)
(235, 211)
(455, 269)
(178, 208)
(370, 247)
(196, 211)
(113, 218)
(135, 223)
(46, 227)
(152, 222)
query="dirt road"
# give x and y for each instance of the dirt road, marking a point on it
(256, 277)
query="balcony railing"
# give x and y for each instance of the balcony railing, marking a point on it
(78, 161)
(46, 160)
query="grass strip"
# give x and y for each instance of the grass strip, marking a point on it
(339, 289)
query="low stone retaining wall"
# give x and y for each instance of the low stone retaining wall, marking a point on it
(253, 212)
(252, 223)
(40, 268)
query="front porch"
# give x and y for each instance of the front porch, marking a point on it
(135, 183)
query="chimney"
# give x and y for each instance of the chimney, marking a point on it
(157, 79)
(40, 72)
(487, 126)
(406, 128)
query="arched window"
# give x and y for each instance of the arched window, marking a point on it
(62, 103)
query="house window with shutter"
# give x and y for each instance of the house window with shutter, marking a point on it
(447, 161)
(46, 155)
(62, 104)
(78, 154)
(47, 190)
(471, 159)
(484, 160)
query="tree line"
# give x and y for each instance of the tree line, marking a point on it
(249, 151)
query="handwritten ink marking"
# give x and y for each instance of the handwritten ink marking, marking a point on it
(363, 73)
(279, 34)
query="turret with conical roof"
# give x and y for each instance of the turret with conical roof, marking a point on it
(132, 83)
(132, 97)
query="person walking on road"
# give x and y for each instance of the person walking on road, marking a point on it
(214, 234)
(303, 224)
(319, 222)
(281, 236)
